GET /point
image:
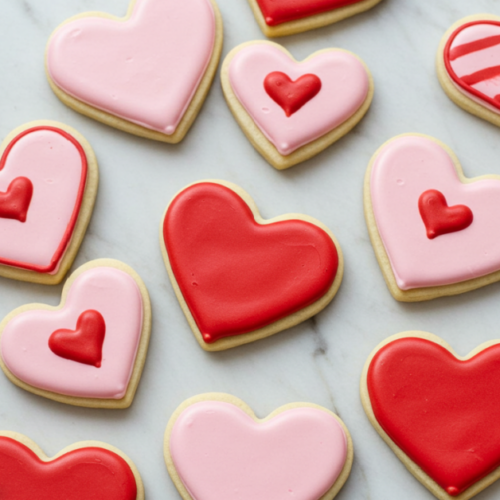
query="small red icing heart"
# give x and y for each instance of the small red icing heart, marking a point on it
(441, 219)
(15, 202)
(82, 474)
(84, 345)
(236, 275)
(281, 11)
(442, 412)
(291, 95)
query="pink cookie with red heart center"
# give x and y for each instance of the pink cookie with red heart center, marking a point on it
(434, 231)
(90, 350)
(48, 186)
(215, 447)
(152, 79)
(291, 110)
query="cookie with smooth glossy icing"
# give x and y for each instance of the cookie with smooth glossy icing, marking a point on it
(434, 231)
(291, 111)
(48, 185)
(467, 65)
(147, 74)
(437, 411)
(287, 17)
(215, 446)
(239, 277)
(84, 470)
(88, 351)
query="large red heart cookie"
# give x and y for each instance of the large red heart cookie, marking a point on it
(238, 277)
(285, 17)
(48, 185)
(468, 65)
(441, 411)
(84, 471)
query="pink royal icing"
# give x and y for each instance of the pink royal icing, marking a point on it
(344, 88)
(145, 70)
(403, 170)
(55, 168)
(25, 339)
(221, 453)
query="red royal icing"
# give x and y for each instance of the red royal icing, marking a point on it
(82, 474)
(441, 219)
(291, 95)
(281, 11)
(442, 412)
(237, 276)
(15, 202)
(83, 345)
(467, 81)
(71, 226)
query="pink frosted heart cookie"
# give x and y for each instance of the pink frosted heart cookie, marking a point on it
(48, 185)
(433, 230)
(468, 63)
(216, 447)
(290, 111)
(89, 351)
(147, 74)
(286, 17)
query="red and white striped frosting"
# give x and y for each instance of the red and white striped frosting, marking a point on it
(472, 58)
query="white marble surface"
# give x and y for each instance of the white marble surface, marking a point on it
(319, 361)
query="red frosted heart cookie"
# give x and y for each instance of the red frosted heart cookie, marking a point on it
(83, 471)
(285, 17)
(239, 277)
(438, 412)
(468, 65)
(48, 186)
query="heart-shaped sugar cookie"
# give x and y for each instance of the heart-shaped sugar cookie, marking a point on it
(215, 446)
(48, 186)
(437, 411)
(152, 79)
(467, 63)
(426, 253)
(238, 277)
(85, 470)
(89, 351)
(286, 17)
(290, 111)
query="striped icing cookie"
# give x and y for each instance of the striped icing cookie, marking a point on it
(469, 66)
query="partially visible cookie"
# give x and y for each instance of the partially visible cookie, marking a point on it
(285, 17)
(468, 62)
(83, 471)
(90, 350)
(147, 74)
(48, 186)
(239, 277)
(437, 411)
(290, 111)
(216, 448)
(434, 231)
